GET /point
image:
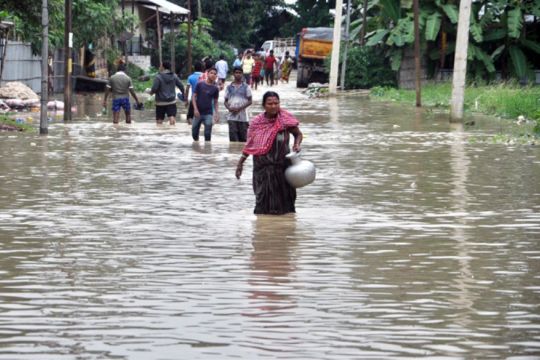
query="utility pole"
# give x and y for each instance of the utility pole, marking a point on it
(68, 45)
(334, 63)
(347, 32)
(173, 65)
(417, 67)
(43, 121)
(189, 59)
(158, 32)
(460, 62)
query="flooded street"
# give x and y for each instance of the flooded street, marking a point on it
(417, 239)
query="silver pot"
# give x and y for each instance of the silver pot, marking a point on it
(301, 172)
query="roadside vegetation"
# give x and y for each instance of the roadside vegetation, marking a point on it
(507, 100)
(7, 123)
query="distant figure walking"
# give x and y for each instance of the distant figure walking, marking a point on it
(192, 81)
(238, 61)
(269, 68)
(256, 72)
(222, 69)
(247, 66)
(121, 86)
(205, 106)
(164, 87)
(237, 98)
(286, 67)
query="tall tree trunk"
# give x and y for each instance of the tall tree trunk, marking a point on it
(158, 32)
(417, 65)
(173, 62)
(364, 24)
(460, 61)
(68, 45)
(43, 121)
(189, 59)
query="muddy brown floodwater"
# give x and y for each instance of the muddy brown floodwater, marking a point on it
(133, 242)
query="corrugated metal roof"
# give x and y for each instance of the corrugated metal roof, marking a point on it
(164, 6)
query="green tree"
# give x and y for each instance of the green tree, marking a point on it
(237, 21)
(94, 19)
(203, 44)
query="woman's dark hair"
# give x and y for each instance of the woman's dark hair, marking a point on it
(269, 94)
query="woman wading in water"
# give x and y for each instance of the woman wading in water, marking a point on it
(268, 142)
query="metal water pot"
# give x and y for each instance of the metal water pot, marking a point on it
(301, 172)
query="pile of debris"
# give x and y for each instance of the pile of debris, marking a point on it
(16, 96)
(315, 90)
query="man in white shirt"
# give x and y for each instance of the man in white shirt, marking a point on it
(222, 69)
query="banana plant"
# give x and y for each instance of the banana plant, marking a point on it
(506, 38)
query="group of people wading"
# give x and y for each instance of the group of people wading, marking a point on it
(266, 136)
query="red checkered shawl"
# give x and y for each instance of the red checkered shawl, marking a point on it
(262, 131)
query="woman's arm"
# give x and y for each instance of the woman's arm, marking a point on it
(298, 136)
(240, 165)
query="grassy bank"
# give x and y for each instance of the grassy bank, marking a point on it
(505, 100)
(7, 123)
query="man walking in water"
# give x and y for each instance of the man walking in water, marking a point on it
(164, 87)
(206, 94)
(237, 98)
(121, 86)
(269, 65)
(222, 69)
(192, 81)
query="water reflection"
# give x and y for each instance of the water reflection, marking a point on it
(274, 239)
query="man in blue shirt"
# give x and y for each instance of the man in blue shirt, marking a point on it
(192, 83)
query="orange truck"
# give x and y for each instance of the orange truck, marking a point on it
(312, 47)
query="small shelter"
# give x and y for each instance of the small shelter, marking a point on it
(157, 16)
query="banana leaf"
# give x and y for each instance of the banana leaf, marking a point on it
(395, 59)
(406, 4)
(533, 8)
(376, 36)
(475, 30)
(495, 34)
(474, 52)
(518, 60)
(498, 52)
(433, 25)
(451, 12)
(531, 45)
(515, 22)
(435, 54)
(402, 34)
(391, 9)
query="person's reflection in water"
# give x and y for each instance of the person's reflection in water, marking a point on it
(271, 264)
(202, 148)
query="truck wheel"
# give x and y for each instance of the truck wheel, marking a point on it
(302, 77)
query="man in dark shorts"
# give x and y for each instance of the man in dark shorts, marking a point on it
(121, 86)
(164, 87)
